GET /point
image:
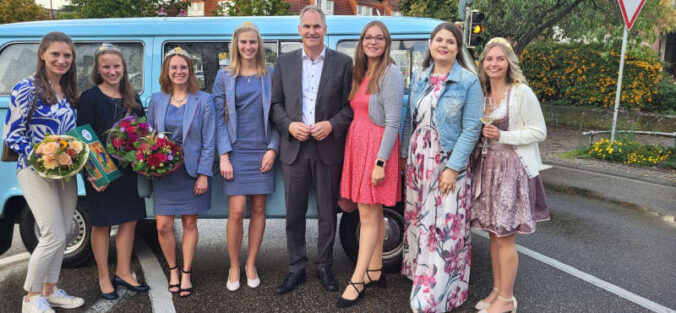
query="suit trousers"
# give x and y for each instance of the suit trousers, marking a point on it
(306, 171)
(52, 203)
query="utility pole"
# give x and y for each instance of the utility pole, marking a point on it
(51, 9)
(463, 13)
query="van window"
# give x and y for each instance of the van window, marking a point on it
(19, 60)
(209, 57)
(408, 55)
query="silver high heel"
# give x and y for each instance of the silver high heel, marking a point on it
(483, 305)
(512, 300)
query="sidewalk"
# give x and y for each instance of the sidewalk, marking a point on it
(648, 188)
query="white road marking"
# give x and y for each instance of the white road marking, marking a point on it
(15, 258)
(103, 305)
(160, 297)
(646, 303)
(18, 268)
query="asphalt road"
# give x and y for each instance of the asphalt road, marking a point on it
(624, 258)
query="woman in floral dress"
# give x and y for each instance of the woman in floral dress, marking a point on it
(507, 189)
(443, 112)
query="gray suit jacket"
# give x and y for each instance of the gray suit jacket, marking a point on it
(332, 104)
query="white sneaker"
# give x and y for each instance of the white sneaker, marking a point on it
(60, 299)
(37, 304)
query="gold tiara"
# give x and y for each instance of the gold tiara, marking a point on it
(177, 51)
(106, 47)
(247, 25)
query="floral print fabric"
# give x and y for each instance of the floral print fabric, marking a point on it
(437, 249)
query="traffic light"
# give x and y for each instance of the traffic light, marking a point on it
(476, 28)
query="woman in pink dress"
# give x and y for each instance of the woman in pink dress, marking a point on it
(370, 176)
(508, 196)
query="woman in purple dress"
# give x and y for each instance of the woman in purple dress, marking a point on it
(507, 189)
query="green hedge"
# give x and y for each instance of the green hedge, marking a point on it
(586, 75)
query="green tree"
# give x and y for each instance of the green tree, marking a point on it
(442, 9)
(254, 7)
(523, 21)
(12, 11)
(124, 8)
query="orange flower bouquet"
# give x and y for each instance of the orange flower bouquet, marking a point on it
(59, 157)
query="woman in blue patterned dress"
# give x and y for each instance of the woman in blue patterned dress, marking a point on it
(247, 145)
(186, 114)
(39, 105)
(444, 111)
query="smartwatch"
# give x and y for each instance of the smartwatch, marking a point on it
(380, 163)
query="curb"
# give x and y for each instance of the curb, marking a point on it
(557, 162)
(653, 198)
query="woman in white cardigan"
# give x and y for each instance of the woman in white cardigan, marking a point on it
(508, 195)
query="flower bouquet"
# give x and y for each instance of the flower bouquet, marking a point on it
(122, 138)
(58, 156)
(157, 156)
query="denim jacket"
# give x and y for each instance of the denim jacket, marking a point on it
(457, 113)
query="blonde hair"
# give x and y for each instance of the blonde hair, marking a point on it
(361, 62)
(514, 74)
(235, 64)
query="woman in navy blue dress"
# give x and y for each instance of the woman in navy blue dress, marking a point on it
(247, 145)
(186, 116)
(117, 203)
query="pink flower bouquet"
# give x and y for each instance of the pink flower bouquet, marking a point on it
(122, 138)
(58, 156)
(157, 156)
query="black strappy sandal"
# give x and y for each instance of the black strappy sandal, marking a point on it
(344, 303)
(188, 290)
(179, 280)
(380, 282)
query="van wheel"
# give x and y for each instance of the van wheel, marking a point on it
(78, 248)
(393, 245)
(6, 232)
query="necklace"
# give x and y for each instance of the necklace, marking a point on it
(177, 100)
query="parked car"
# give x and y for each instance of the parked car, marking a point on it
(144, 42)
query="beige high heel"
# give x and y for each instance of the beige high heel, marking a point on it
(512, 300)
(483, 305)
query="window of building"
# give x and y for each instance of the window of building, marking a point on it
(325, 5)
(364, 10)
(17, 61)
(196, 8)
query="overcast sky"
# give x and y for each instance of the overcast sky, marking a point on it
(56, 3)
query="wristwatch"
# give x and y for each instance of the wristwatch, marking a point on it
(380, 163)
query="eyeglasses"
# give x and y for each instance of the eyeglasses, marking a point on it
(379, 39)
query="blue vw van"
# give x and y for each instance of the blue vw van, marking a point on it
(144, 41)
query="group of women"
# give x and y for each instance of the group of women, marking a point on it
(499, 190)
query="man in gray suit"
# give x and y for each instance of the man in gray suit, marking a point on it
(310, 107)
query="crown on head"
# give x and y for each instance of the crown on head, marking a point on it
(502, 41)
(247, 25)
(106, 47)
(177, 51)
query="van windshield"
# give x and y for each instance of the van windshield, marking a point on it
(19, 60)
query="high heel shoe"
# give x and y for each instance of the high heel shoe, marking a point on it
(483, 305)
(178, 286)
(344, 303)
(108, 295)
(380, 282)
(252, 283)
(232, 285)
(189, 290)
(118, 281)
(512, 300)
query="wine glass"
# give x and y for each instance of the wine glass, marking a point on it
(488, 115)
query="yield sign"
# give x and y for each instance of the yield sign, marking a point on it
(630, 10)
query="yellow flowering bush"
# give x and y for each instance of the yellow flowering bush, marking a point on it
(586, 75)
(632, 152)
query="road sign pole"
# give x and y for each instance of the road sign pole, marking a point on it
(619, 85)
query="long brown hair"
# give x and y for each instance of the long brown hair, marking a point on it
(68, 81)
(125, 88)
(361, 61)
(235, 64)
(458, 39)
(165, 83)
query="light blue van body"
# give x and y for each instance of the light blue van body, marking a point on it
(145, 40)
